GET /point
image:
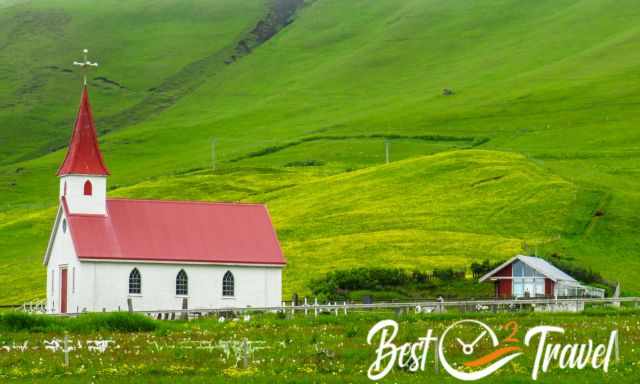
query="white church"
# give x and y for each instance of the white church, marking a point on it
(107, 254)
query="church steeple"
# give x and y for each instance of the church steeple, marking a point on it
(84, 156)
(83, 174)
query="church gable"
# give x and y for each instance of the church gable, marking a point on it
(61, 248)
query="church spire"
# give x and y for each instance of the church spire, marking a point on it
(83, 156)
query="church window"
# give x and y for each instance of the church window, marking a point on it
(88, 188)
(228, 285)
(135, 282)
(182, 283)
(64, 225)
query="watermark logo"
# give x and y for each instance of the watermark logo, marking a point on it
(470, 350)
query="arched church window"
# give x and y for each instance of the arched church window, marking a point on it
(64, 225)
(135, 282)
(88, 188)
(182, 283)
(228, 284)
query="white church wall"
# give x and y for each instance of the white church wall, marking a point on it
(63, 256)
(77, 201)
(108, 286)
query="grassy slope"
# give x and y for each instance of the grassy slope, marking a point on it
(554, 80)
(323, 224)
(139, 45)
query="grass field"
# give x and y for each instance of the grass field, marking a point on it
(539, 134)
(301, 349)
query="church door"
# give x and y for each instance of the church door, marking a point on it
(63, 290)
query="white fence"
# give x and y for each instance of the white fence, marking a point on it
(433, 306)
(422, 306)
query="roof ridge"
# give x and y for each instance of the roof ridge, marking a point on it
(178, 231)
(561, 275)
(186, 202)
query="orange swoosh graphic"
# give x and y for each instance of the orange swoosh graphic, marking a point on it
(491, 357)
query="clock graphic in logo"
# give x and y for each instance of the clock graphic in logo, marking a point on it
(479, 354)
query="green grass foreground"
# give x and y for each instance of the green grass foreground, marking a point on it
(329, 348)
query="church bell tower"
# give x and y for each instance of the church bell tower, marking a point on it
(83, 174)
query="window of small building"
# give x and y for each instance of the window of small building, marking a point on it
(64, 225)
(540, 287)
(135, 282)
(182, 283)
(228, 284)
(88, 188)
(527, 282)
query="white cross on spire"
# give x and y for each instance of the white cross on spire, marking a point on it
(85, 65)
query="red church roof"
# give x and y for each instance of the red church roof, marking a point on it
(83, 156)
(174, 231)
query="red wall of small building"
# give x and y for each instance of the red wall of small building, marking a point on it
(548, 287)
(503, 286)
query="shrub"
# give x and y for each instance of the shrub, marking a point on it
(339, 285)
(585, 275)
(480, 269)
(90, 322)
(18, 321)
(305, 163)
(115, 321)
(448, 274)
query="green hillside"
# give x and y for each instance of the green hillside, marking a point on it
(141, 47)
(538, 133)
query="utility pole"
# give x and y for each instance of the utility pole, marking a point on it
(386, 151)
(213, 153)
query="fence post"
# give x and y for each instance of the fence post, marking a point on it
(345, 308)
(306, 306)
(315, 305)
(245, 353)
(617, 348)
(335, 304)
(66, 350)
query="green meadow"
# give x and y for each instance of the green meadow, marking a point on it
(326, 349)
(534, 149)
